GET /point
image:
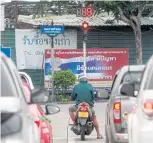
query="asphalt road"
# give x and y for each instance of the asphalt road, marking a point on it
(61, 128)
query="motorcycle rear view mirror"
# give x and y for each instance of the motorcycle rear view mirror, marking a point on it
(39, 96)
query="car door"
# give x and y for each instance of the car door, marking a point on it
(30, 129)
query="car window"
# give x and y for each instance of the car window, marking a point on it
(114, 81)
(149, 80)
(132, 77)
(17, 79)
(150, 85)
(8, 87)
(10, 124)
(127, 77)
(24, 79)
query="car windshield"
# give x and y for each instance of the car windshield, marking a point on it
(132, 77)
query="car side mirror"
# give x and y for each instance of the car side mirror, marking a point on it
(103, 94)
(10, 104)
(39, 96)
(136, 93)
(127, 89)
(51, 109)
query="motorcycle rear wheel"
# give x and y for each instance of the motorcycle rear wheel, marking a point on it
(83, 133)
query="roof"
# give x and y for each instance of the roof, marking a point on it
(72, 20)
(133, 68)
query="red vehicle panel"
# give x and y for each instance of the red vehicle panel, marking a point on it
(44, 126)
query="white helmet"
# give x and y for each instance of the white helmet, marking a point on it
(82, 77)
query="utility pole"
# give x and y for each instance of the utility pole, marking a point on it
(52, 62)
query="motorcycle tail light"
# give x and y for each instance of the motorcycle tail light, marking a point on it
(83, 107)
(147, 108)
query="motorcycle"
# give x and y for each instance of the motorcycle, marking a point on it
(83, 123)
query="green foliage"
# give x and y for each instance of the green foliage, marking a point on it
(64, 79)
(128, 7)
(44, 8)
(62, 98)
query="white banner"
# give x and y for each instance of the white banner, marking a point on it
(30, 46)
(2, 21)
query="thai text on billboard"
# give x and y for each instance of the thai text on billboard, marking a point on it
(102, 63)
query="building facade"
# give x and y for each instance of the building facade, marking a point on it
(98, 37)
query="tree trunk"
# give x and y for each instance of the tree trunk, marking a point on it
(59, 8)
(138, 41)
(135, 23)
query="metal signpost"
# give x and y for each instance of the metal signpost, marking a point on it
(52, 31)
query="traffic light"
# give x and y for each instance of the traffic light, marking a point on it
(85, 26)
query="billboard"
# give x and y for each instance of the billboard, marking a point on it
(30, 46)
(102, 63)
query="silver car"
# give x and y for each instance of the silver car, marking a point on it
(119, 106)
(140, 122)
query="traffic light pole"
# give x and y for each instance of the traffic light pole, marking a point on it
(84, 56)
(84, 52)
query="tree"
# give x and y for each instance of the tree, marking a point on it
(64, 79)
(55, 7)
(130, 12)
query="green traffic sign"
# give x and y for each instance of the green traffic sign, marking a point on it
(51, 35)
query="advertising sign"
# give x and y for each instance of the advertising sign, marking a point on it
(30, 46)
(102, 63)
(6, 51)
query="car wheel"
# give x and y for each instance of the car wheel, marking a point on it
(107, 139)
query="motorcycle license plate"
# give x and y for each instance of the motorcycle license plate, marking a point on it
(83, 114)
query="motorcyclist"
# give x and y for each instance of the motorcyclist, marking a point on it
(83, 92)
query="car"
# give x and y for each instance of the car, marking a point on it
(17, 123)
(140, 122)
(40, 119)
(119, 106)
